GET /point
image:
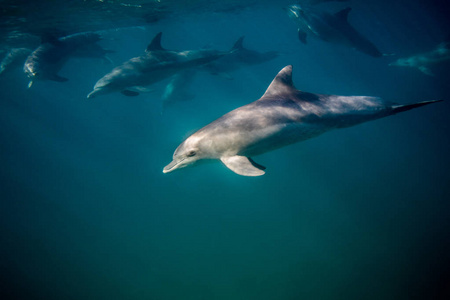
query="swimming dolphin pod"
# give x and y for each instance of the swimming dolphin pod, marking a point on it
(154, 65)
(282, 116)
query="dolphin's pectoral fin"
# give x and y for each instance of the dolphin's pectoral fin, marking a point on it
(141, 89)
(129, 93)
(58, 78)
(302, 36)
(426, 71)
(243, 165)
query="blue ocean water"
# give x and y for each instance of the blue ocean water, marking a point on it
(358, 213)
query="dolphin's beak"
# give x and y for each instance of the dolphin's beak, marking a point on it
(171, 167)
(92, 94)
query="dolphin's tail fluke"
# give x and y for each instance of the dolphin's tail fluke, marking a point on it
(401, 108)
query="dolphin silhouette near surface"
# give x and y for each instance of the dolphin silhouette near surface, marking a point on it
(282, 116)
(332, 28)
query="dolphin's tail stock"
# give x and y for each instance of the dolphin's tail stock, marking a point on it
(401, 108)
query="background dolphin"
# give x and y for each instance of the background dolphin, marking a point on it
(238, 57)
(333, 28)
(13, 59)
(155, 65)
(282, 116)
(46, 61)
(423, 61)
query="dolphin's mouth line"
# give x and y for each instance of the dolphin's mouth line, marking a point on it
(165, 170)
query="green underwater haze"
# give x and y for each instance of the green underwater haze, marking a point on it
(356, 213)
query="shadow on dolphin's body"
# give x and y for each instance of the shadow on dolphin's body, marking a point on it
(282, 116)
(333, 28)
(425, 61)
(46, 61)
(154, 65)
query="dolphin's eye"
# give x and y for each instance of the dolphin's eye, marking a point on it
(191, 153)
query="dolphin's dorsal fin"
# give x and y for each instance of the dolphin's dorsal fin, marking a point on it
(155, 44)
(343, 14)
(282, 83)
(239, 44)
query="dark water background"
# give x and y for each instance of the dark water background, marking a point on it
(360, 213)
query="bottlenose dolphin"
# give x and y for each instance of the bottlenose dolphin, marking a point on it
(330, 28)
(238, 57)
(156, 64)
(424, 61)
(14, 58)
(46, 61)
(282, 116)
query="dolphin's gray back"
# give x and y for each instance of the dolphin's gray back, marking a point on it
(332, 110)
